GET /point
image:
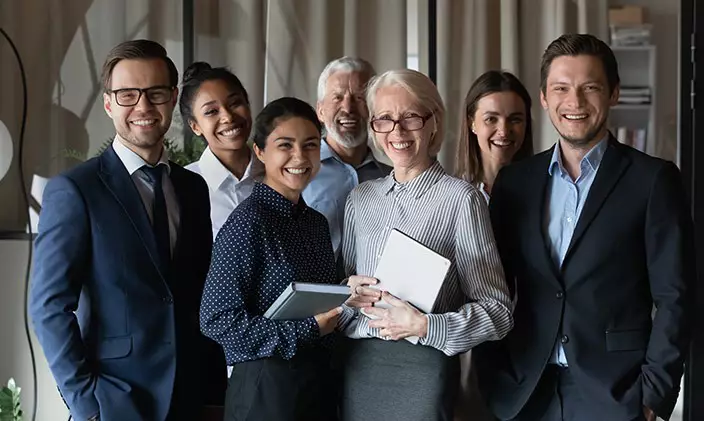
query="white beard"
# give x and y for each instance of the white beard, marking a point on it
(347, 141)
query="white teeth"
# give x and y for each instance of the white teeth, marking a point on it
(501, 142)
(347, 122)
(144, 122)
(401, 145)
(231, 132)
(296, 171)
(575, 116)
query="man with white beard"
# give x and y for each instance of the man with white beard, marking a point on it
(345, 157)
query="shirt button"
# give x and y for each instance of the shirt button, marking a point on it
(559, 295)
(569, 219)
(564, 339)
(168, 300)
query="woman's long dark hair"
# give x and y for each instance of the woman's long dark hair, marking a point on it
(469, 159)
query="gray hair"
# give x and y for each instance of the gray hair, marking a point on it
(419, 86)
(346, 64)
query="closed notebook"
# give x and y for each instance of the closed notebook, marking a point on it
(301, 300)
(410, 271)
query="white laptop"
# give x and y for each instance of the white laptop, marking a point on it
(410, 271)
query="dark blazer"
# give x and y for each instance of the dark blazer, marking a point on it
(632, 248)
(133, 347)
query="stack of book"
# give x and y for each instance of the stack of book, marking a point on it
(634, 95)
(630, 35)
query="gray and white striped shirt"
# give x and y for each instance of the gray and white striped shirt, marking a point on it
(451, 217)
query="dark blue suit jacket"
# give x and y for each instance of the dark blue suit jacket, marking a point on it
(632, 249)
(122, 337)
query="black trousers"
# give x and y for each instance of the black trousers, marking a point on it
(557, 398)
(272, 389)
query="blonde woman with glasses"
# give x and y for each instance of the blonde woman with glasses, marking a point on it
(385, 376)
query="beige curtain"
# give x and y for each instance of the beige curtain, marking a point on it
(279, 47)
(479, 35)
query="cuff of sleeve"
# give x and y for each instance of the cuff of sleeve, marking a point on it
(347, 315)
(88, 408)
(659, 406)
(308, 333)
(437, 331)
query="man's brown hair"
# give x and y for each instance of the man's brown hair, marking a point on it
(577, 45)
(137, 49)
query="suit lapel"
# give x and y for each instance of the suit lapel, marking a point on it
(538, 192)
(612, 167)
(120, 184)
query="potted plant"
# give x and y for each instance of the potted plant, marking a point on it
(10, 409)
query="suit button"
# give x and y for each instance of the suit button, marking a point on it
(559, 295)
(168, 300)
(564, 339)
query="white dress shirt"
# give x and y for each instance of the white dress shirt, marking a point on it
(133, 163)
(226, 190)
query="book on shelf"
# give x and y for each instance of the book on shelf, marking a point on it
(634, 100)
(635, 91)
(634, 95)
(635, 138)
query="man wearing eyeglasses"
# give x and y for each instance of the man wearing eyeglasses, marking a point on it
(345, 157)
(121, 258)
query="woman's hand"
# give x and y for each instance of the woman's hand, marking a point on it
(361, 296)
(327, 321)
(398, 322)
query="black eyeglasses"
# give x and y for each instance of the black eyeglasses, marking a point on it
(156, 95)
(410, 124)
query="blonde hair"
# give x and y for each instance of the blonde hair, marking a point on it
(422, 89)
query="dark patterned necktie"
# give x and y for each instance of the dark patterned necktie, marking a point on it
(160, 217)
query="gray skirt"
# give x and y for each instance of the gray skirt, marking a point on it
(396, 380)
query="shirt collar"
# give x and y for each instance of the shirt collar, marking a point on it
(326, 152)
(215, 173)
(419, 185)
(276, 202)
(132, 161)
(592, 158)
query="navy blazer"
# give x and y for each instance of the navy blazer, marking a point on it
(632, 249)
(121, 337)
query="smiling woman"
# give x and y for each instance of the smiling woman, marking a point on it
(496, 128)
(287, 142)
(282, 368)
(215, 105)
(445, 214)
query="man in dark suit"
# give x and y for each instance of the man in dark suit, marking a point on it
(592, 234)
(121, 259)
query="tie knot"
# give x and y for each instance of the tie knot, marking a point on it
(153, 173)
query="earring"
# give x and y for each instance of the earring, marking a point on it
(474, 130)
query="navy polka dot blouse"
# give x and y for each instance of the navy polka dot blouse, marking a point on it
(266, 243)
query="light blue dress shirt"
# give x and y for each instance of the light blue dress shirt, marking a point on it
(328, 191)
(565, 201)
